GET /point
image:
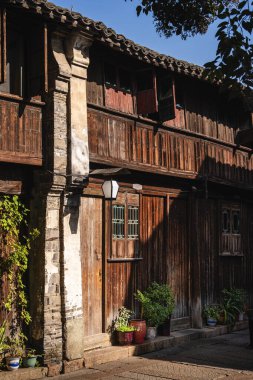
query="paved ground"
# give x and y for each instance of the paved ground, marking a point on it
(224, 357)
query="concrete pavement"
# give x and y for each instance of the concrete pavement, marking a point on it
(222, 357)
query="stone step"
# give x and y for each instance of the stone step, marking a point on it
(24, 374)
(113, 353)
(97, 341)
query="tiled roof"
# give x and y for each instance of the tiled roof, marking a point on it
(107, 35)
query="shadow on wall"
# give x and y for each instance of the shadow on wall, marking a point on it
(71, 210)
(168, 245)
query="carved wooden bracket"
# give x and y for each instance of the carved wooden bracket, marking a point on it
(77, 52)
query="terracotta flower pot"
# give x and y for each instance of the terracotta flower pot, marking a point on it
(140, 330)
(125, 338)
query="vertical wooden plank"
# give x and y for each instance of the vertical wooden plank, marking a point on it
(45, 57)
(3, 53)
(92, 264)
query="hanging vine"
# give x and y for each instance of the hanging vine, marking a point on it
(14, 250)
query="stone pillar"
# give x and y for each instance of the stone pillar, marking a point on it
(57, 198)
(47, 203)
(77, 52)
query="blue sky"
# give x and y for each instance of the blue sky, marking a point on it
(121, 16)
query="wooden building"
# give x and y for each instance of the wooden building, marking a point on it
(75, 98)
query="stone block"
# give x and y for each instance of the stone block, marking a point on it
(73, 365)
(54, 369)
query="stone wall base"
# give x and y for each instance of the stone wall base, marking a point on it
(72, 365)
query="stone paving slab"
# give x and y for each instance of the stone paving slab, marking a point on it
(217, 358)
(104, 355)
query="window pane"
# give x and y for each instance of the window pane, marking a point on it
(125, 80)
(15, 63)
(145, 80)
(110, 75)
(118, 222)
(133, 222)
(225, 220)
(236, 221)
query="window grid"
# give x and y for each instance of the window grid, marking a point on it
(118, 222)
(230, 221)
(133, 222)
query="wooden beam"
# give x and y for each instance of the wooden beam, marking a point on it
(11, 187)
(20, 158)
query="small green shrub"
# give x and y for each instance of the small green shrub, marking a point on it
(125, 329)
(157, 303)
(212, 311)
(121, 322)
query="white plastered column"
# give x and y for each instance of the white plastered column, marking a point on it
(77, 53)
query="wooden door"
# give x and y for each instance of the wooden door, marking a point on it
(122, 253)
(92, 264)
(165, 248)
(178, 262)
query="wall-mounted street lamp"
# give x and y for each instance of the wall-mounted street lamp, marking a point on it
(110, 189)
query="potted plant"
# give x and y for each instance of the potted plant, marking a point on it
(29, 358)
(140, 329)
(212, 314)
(233, 303)
(122, 327)
(157, 303)
(14, 353)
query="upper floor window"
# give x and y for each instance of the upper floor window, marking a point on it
(146, 92)
(118, 88)
(22, 57)
(155, 95)
(231, 230)
(119, 78)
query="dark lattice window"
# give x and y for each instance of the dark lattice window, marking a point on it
(226, 221)
(133, 222)
(118, 222)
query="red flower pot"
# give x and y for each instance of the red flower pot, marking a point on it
(140, 330)
(125, 338)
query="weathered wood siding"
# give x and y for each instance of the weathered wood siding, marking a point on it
(120, 141)
(164, 247)
(20, 133)
(204, 111)
(92, 261)
(121, 286)
(219, 272)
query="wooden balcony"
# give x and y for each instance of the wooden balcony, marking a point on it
(129, 142)
(20, 131)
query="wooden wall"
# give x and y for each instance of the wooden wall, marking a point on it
(203, 110)
(219, 272)
(120, 141)
(92, 262)
(165, 252)
(20, 133)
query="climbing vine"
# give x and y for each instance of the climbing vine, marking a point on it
(14, 250)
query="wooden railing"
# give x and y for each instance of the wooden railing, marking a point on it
(120, 141)
(20, 131)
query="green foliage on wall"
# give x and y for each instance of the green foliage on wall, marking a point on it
(15, 244)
